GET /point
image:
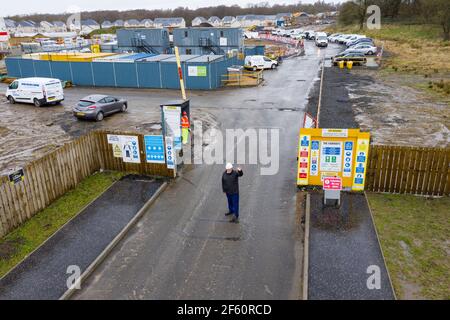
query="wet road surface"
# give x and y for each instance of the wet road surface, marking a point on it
(42, 275)
(342, 246)
(185, 248)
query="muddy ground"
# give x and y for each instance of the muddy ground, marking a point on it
(388, 106)
(27, 132)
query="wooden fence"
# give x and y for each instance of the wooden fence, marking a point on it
(421, 171)
(244, 79)
(51, 176)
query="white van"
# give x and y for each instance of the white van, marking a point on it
(259, 62)
(39, 91)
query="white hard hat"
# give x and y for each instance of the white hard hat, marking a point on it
(229, 166)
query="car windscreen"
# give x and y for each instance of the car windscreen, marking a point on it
(322, 38)
(85, 103)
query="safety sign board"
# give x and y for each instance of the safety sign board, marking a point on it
(170, 153)
(332, 183)
(331, 156)
(130, 149)
(16, 177)
(154, 149)
(309, 121)
(197, 71)
(172, 124)
(340, 153)
(117, 150)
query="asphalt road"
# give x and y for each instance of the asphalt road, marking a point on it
(185, 248)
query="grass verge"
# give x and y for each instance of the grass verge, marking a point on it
(414, 234)
(22, 241)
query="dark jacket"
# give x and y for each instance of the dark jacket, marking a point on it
(230, 183)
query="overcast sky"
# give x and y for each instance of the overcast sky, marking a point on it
(59, 6)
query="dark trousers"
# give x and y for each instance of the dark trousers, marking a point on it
(233, 203)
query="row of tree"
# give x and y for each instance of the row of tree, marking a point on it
(189, 14)
(419, 11)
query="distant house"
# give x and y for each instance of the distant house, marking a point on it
(45, 26)
(89, 25)
(302, 18)
(26, 27)
(118, 23)
(170, 23)
(132, 23)
(147, 23)
(198, 21)
(10, 25)
(59, 26)
(106, 24)
(215, 21)
(229, 21)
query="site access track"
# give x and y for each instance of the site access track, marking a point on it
(185, 248)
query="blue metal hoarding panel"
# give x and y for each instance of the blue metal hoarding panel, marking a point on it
(104, 74)
(13, 67)
(148, 73)
(27, 67)
(42, 68)
(169, 75)
(126, 75)
(82, 73)
(198, 82)
(61, 70)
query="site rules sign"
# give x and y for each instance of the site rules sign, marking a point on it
(125, 147)
(328, 153)
(154, 149)
(172, 124)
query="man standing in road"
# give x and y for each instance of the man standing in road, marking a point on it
(230, 185)
(185, 127)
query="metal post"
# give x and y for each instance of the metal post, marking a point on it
(180, 73)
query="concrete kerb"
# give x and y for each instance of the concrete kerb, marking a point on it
(60, 228)
(379, 244)
(68, 294)
(306, 247)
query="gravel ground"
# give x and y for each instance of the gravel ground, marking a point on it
(389, 107)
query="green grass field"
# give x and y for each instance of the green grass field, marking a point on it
(22, 241)
(415, 237)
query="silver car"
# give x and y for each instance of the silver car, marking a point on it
(97, 106)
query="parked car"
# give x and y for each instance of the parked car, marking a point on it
(354, 38)
(298, 36)
(344, 38)
(356, 57)
(39, 91)
(96, 107)
(360, 40)
(365, 48)
(259, 62)
(310, 35)
(321, 39)
(332, 38)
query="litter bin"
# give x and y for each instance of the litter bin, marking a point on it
(341, 64)
(349, 65)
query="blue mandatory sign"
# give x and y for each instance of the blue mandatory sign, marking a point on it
(305, 142)
(315, 145)
(360, 159)
(348, 145)
(154, 149)
(359, 170)
(358, 180)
